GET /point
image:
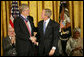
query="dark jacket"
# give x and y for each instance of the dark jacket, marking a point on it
(50, 39)
(9, 49)
(24, 46)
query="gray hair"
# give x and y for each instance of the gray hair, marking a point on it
(23, 7)
(48, 12)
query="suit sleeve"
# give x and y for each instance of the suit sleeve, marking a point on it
(18, 32)
(56, 35)
(34, 28)
(38, 33)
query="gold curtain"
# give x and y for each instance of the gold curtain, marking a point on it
(75, 10)
(76, 15)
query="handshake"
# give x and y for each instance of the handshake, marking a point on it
(33, 39)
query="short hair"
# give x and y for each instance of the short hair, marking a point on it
(48, 12)
(22, 7)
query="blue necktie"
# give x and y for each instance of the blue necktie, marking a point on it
(44, 27)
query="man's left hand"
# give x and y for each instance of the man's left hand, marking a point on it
(52, 51)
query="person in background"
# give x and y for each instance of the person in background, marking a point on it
(74, 45)
(9, 44)
(65, 31)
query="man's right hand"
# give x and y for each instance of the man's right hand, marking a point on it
(33, 39)
(36, 43)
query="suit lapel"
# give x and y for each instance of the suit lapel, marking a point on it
(24, 25)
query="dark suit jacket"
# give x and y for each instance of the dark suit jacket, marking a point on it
(23, 44)
(8, 48)
(50, 39)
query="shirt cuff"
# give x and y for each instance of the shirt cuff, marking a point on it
(54, 47)
(37, 43)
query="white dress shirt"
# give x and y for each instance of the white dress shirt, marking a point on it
(47, 21)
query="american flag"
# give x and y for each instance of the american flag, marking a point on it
(61, 14)
(14, 13)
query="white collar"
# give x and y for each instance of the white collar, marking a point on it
(47, 21)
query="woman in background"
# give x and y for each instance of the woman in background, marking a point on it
(74, 45)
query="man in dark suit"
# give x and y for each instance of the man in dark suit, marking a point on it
(24, 28)
(48, 35)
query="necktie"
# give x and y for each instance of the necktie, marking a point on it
(44, 27)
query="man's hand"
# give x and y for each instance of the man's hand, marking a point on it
(52, 51)
(13, 40)
(33, 39)
(36, 43)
